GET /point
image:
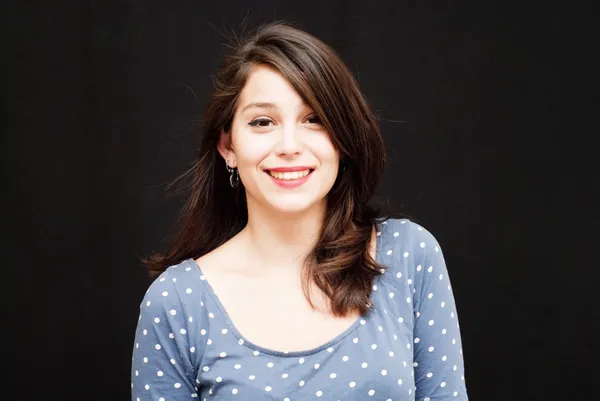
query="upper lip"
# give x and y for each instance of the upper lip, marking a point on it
(289, 169)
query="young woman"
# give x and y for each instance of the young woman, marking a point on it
(282, 283)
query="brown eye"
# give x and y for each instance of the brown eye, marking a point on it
(260, 122)
(314, 119)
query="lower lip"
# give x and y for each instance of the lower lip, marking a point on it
(290, 183)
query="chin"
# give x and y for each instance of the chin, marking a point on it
(294, 206)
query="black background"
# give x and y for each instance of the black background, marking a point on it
(101, 100)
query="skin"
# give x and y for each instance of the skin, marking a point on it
(283, 223)
(257, 274)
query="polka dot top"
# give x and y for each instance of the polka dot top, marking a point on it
(407, 347)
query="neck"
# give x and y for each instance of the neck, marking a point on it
(282, 240)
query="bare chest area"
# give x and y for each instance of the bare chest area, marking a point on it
(274, 313)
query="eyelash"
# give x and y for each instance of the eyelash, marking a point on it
(255, 123)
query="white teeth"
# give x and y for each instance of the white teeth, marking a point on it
(289, 175)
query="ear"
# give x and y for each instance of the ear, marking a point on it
(225, 149)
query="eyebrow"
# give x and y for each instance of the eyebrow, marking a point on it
(262, 105)
(265, 105)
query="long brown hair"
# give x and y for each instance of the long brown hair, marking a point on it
(340, 263)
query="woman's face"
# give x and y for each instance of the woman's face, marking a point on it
(284, 156)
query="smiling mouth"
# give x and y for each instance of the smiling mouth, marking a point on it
(289, 175)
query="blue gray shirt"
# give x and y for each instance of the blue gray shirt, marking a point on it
(407, 347)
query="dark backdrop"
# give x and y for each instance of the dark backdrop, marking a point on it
(101, 100)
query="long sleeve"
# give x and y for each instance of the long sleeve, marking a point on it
(438, 360)
(163, 358)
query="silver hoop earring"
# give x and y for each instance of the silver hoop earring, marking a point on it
(234, 177)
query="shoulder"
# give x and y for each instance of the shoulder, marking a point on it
(171, 320)
(176, 291)
(408, 249)
(408, 235)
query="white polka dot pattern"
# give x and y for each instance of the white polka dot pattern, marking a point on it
(407, 348)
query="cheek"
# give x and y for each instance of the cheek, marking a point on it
(323, 149)
(250, 150)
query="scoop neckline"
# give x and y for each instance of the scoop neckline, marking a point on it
(242, 340)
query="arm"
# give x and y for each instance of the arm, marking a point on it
(162, 365)
(439, 370)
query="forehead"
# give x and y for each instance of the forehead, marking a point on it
(266, 84)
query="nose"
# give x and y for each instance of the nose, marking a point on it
(289, 141)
